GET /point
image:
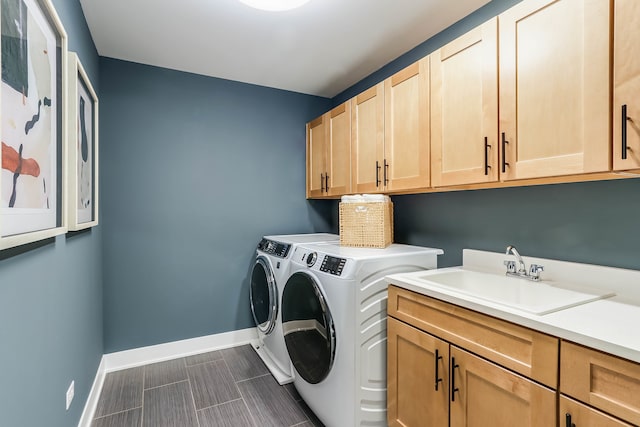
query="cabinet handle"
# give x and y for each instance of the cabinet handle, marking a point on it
(486, 156)
(326, 182)
(569, 423)
(377, 174)
(624, 132)
(438, 379)
(504, 153)
(386, 168)
(322, 183)
(453, 379)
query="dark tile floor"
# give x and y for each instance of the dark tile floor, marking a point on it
(230, 388)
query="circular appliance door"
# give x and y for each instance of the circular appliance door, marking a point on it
(308, 328)
(264, 295)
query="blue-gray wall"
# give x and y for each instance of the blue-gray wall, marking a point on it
(195, 170)
(51, 303)
(592, 222)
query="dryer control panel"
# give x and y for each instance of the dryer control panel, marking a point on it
(332, 265)
(272, 247)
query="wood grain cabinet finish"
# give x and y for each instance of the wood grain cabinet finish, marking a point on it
(603, 381)
(390, 133)
(329, 153)
(367, 140)
(316, 151)
(525, 351)
(484, 394)
(626, 85)
(554, 88)
(464, 108)
(406, 164)
(415, 359)
(572, 413)
(425, 339)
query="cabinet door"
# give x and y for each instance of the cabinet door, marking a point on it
(316, 148)
(367, 140)
(601, 380)
(339, 151)
(554, 88)
(464, 108)
(572, 413)
(626, 84)
(484, 394)
(412, 398)
(406, 162)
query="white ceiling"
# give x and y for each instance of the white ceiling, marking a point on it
(321, 48)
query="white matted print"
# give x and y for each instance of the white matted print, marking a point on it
(32, 98)
(82, 148)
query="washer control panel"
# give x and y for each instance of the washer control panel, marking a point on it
(311, 259)
(333, 265)
(271, 247)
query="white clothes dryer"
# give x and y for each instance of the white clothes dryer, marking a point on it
(334, 319)
(268, 276)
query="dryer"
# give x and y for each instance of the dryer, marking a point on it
(268, 276)
(334, 323)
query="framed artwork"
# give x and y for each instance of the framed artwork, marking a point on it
(82, 148)
(32, 126)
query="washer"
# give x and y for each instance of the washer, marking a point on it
(268, 276)
(334, 319)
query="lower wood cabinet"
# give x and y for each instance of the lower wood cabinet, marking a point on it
(434, 383)
(418, 377)
(572, 413)
(450, 366)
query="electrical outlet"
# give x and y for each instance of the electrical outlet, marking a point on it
(70, 392)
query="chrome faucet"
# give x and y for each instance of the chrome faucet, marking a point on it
(534, 269)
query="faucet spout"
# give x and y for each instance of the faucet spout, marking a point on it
(512, 250)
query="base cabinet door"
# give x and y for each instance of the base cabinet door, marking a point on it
(554, 88)
(484, 394)
(575, 414)
(626, 85)
(418, 377)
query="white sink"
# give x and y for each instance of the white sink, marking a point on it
(522, 294)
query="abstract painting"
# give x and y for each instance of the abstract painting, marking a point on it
(32, 111)
(82, 147)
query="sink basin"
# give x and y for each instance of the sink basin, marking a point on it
(522, 294)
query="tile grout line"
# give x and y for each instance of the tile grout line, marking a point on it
(116, 413)
(164, 385)
(253, 378)
(221, 403)
(144, 377)
(235, 383)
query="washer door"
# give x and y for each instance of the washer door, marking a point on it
(308, 328)
(264, 295)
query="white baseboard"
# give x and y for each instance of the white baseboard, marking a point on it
(94, 395)
(158, 353)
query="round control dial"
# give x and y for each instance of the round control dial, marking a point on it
(311, 259)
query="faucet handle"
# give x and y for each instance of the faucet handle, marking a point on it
(535, 270)
(511, 266)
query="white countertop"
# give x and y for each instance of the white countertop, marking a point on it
(610, 325)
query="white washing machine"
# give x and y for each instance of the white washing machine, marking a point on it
(334, 319)
(268, 276)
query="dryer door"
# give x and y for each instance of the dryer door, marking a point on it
(308, 328)
(263, 295)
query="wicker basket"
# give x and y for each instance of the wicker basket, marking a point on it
(366, 225)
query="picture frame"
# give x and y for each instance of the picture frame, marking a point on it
(82, 148)
(32, 122)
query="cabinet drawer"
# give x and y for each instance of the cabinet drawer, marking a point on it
(520, 349)
(601, 380)
(584, 416)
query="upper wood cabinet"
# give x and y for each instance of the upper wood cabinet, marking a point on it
(367, 140)
(329, 153)
(316, 151)
(464, 108)
(406, 161)
(554, 88)
(390, 133)
(626, 85)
